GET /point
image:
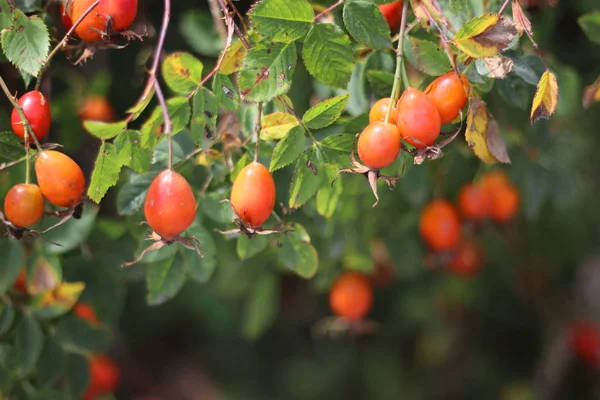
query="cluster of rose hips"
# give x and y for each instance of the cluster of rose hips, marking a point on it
(491, 197)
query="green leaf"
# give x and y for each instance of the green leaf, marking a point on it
(132, 195)
(164, 280)
(329, 195)
(282, 20)
(52, 364)
(288, 149)
(105, 130)
(426, 56)
(6, 15)
(268, 70)
(179, 111)
(381, 82)
(249, 247)
(138, 108)
(28, 6)
(204, 120)
(226, 92)
(308, 176)
(106, 172)
(590, 23)
(261, 307)
(10, 147)
(297, 253)
(27, 43)
(328, 55)
(198, 29)
(78, 375)
(72, 233)
(7, 317)
(182, 72)
(201, 269)
(28, 345)
(366, 24)
(342, 142)
(78, 335)
(13, 259)
(326, 112)
(275, 126)
(130, 151)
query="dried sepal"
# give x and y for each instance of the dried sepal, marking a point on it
(248, 230)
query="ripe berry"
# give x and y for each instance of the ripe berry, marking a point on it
(65, 18)
(379, 145)
(418, 119)
(253, 194)
(351, 296)
(468, 259)
(36, 108)
(449, 93)
(504, 203)
(61, 180)
(584, 340)
(379, 110)
(24, 205)
(440, 225)
(96, 108)
(20, 284)
(104, 377)
(474, 202)
(86, 312)
(494, 179)
(392, 13)
(170, 206)
(121, 14)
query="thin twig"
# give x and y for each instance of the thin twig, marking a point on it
(216, 14)
(230, 30)
(503, 7)
(399, 63)
(237, 29)
(63, 42)
(258, 129)
(329, 9)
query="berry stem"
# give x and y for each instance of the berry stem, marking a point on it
(503, 7)
(24, 121)
(400, 69)
(236, 28)
(329, 9)
(63, 42)
(258, 129)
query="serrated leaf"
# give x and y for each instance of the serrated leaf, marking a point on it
(10, 147)
(28, 345)
(72, 233)
(233, 60)
(104, 130)
(477, 128)
(132, 195)
(106, 172)
(496, 145)
(13, 259)
(297, 253)
(328, 196)
(226, 92)
(328, 55)
(179, 111)
(201, 269)
(138, 108)
(282, 20)
(424, 9)
(494, 67)
(6, 15)
(308, 175)
(381, 82)
(261, 307)
(276, 125)
(268, 70)
(26, 43)
(164, 279)
(203, 126)
(288, 149)
(326, 112)
(546, 98)
(249, 247)
(130, 151)
(366, 24)
(521, 21)
(485, 36)
(342, 142)
(427, 56)
(590, 23)
(182, 72)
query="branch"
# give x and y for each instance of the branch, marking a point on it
(237, 29)
(328, 10)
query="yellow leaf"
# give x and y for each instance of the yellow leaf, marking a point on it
(276, 125)
(546, 97)
(591, 94)
(521, 21)
(65, 295)
(477, 128)
(232, 62)
(485, 36)
(423, 9)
